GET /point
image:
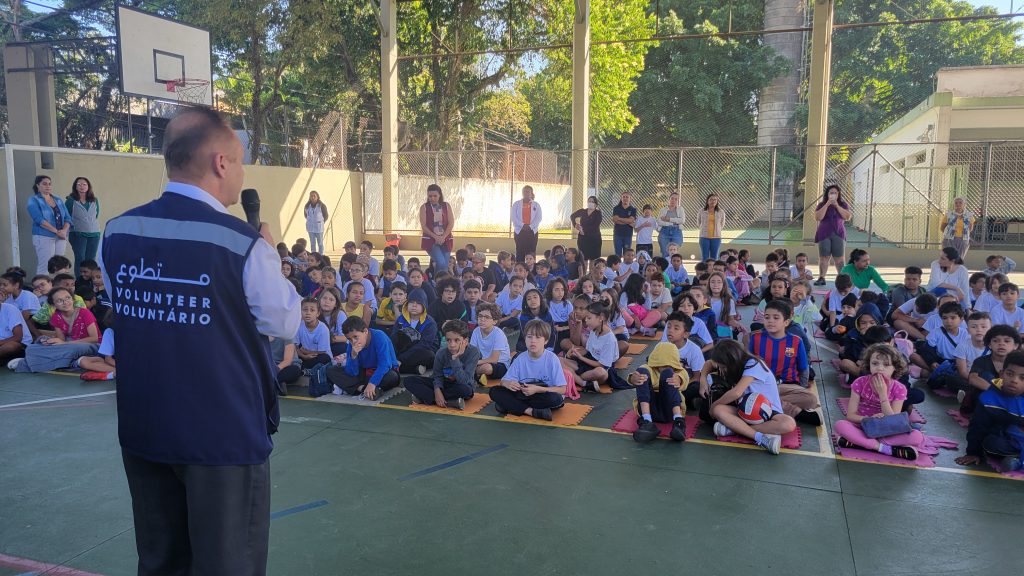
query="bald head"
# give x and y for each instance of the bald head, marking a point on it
(201, 149)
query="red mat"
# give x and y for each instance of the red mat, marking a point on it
(915, 416)
(627, 423)
(959, 418)
(793, 440)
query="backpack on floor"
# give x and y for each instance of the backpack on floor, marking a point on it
(319, 385)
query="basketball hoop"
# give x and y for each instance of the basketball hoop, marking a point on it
(189, 90)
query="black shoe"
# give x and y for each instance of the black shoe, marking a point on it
(820, 281)
(844, 443)
(501, 411)
(811, 417)
(645, 432)
(678, 432)
(542, 414)
(904, 452)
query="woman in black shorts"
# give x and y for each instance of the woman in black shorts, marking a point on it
(587, 222)
(831, 213)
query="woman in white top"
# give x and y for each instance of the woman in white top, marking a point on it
(670, 224)
(316, 216)
(950, 274)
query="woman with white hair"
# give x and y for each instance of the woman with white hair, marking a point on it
(956, 226)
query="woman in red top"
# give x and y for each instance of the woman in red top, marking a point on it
(437, 222)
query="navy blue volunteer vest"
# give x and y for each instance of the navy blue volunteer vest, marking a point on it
(194, 376)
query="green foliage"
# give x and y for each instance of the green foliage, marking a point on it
(703, 92)
(880, 73)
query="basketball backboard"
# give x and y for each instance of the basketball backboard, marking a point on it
(153, 51)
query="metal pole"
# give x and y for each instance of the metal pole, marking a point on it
(12, 205)
(771, 195)
(985, 194)
(597, 173)
(511, 190)
(679, 176)
(131, 137)
(149, 125)
(871, 195)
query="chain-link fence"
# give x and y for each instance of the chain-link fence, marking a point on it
(898, 192)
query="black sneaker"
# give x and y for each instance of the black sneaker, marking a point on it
(904, 452)
(819, 282)
(678, 432)
(501, 411)
(645, 432)
(542, 414)
(844, 443)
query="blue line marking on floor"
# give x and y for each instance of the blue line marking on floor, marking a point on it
(297, 509)
(454, 462)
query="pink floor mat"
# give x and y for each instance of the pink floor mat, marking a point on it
(627, 423)
(925, 453)
(915, 416)
(959, 418)
(793, 440)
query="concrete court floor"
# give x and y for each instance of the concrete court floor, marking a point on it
(387, 490)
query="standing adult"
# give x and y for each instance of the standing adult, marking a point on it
(956, 226)
(196, 393)
(526, 215)
(831, 213)
(50, 223)
(670, 224)
(316, 216)
(624, 218)
(437, 222)
(948, 274)
(712, 220)
(587, 222)
(84, 209)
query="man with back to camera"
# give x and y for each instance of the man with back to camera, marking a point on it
(197, 292)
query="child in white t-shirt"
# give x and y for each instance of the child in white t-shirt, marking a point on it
(592, 366)
(14, 333)
(644, 227)
(491, 341)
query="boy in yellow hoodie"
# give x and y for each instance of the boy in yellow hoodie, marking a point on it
(658, 398)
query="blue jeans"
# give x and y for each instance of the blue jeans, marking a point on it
(667, 236)
(84, 247)
(709, 248)
(439, 256)
(316, 242)
(622, 242)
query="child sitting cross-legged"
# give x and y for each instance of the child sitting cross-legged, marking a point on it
(370, 363)
(658, 399)
(997, 426)
(678, 331)
(978, 324)
(313, 339)
(744, 374)
(1001, 340)
(535, 382)
(454, 377)
(415, 335)
(940, 345)
(877, 395)
(786, 357)
(102, 366)
(490, 341)
(854, 344)
(592, 366)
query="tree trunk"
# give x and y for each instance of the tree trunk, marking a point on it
(255, 58)
(778, 101)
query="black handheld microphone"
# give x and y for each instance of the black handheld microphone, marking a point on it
(251, 205)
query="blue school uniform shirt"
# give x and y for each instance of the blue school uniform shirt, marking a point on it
(25, 302)
(560, 311)
(680, 276)
(318, 339)
(946, 343)
(10, 318)
(496, 340)
(508, 304)
(542, 283)
(1013, 318)
(543, 371)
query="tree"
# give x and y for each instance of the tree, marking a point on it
(703, 92)
(881, 73)
(614, 69)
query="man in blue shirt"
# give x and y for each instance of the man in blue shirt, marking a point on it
(370, 362)
(624, 217)
(196, 390)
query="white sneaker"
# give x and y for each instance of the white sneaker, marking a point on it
(415, 401)
(960, 395)
(337, 391)
(771, 443)
(422, 369)
(722, 430)
(13, 364)
(460, 403)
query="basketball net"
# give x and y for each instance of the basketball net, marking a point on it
(189, 90)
